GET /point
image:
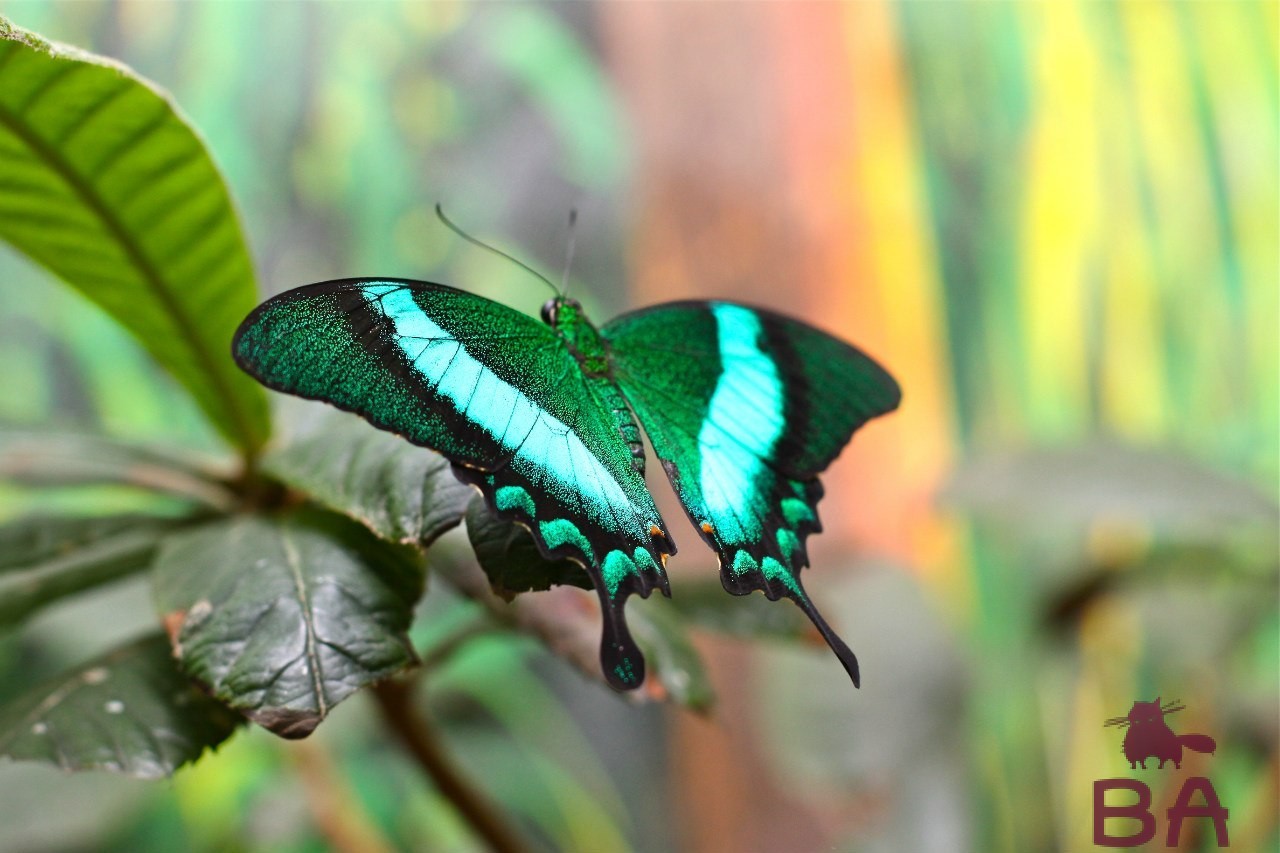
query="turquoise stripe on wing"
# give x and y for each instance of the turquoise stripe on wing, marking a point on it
(744, 408)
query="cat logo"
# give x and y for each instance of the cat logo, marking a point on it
(1150, 737)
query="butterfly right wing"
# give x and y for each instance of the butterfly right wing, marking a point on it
(745, 408)
(500, 396)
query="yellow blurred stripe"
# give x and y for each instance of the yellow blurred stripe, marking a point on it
(1060, 230)
(893, 272)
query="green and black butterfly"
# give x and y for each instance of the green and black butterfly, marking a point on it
(744, 407)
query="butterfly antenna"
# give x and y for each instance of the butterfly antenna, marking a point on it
(473, 241)
(568, 255)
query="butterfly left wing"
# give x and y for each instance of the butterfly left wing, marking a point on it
(745, 407)
(500, 396)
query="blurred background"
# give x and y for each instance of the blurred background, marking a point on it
(1055, 223)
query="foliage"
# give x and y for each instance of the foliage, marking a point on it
(130, 711)
(286, 580)
(108, 187)
(282, 617)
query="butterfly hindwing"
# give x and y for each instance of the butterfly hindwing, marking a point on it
(745, 407)
(498, 394)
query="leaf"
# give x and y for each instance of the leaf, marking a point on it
(283, 618)
(104, 183)
(402, 492)
(568, 623)
(71, 459)
(511, 560)
(1103, 481)
(43, 558)
(130, 711)
(704, 603)
(37, 539)
(564, 620)
(677, 673)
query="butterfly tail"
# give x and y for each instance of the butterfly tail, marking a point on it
(847, 658)
(620, 657)
(772, 563)
(776, 586)
(616, 579)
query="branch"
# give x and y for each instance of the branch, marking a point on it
(343, 824)
(395, 700)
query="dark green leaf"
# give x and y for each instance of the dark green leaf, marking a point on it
(283, 618)
(130, 711)
(705, 603)
(402, 492)
(510, 558)
(69, 459)
(45, 558)
(513, 565)
(676, 671)
(104, 183)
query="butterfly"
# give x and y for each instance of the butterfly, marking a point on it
(743, 407)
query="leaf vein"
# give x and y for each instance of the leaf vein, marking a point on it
(313, 659)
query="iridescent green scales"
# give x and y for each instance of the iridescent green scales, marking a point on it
(742, 406)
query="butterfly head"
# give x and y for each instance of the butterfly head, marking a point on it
(561, 310)
(566, 316)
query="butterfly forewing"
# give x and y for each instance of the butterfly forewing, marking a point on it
(744, 408)
(497, 393)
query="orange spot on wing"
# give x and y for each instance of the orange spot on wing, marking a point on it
(655, 530)
(707, 528)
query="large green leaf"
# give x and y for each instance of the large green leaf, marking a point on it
(130, 711)
(283, 618)
(403, 493)
(511, 560)
(43, 558)
(104, 183)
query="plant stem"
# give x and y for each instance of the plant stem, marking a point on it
(334, 807)
(395, 700)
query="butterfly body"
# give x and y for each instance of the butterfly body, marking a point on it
(582, 338)
(591, 352)
(544, 419)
